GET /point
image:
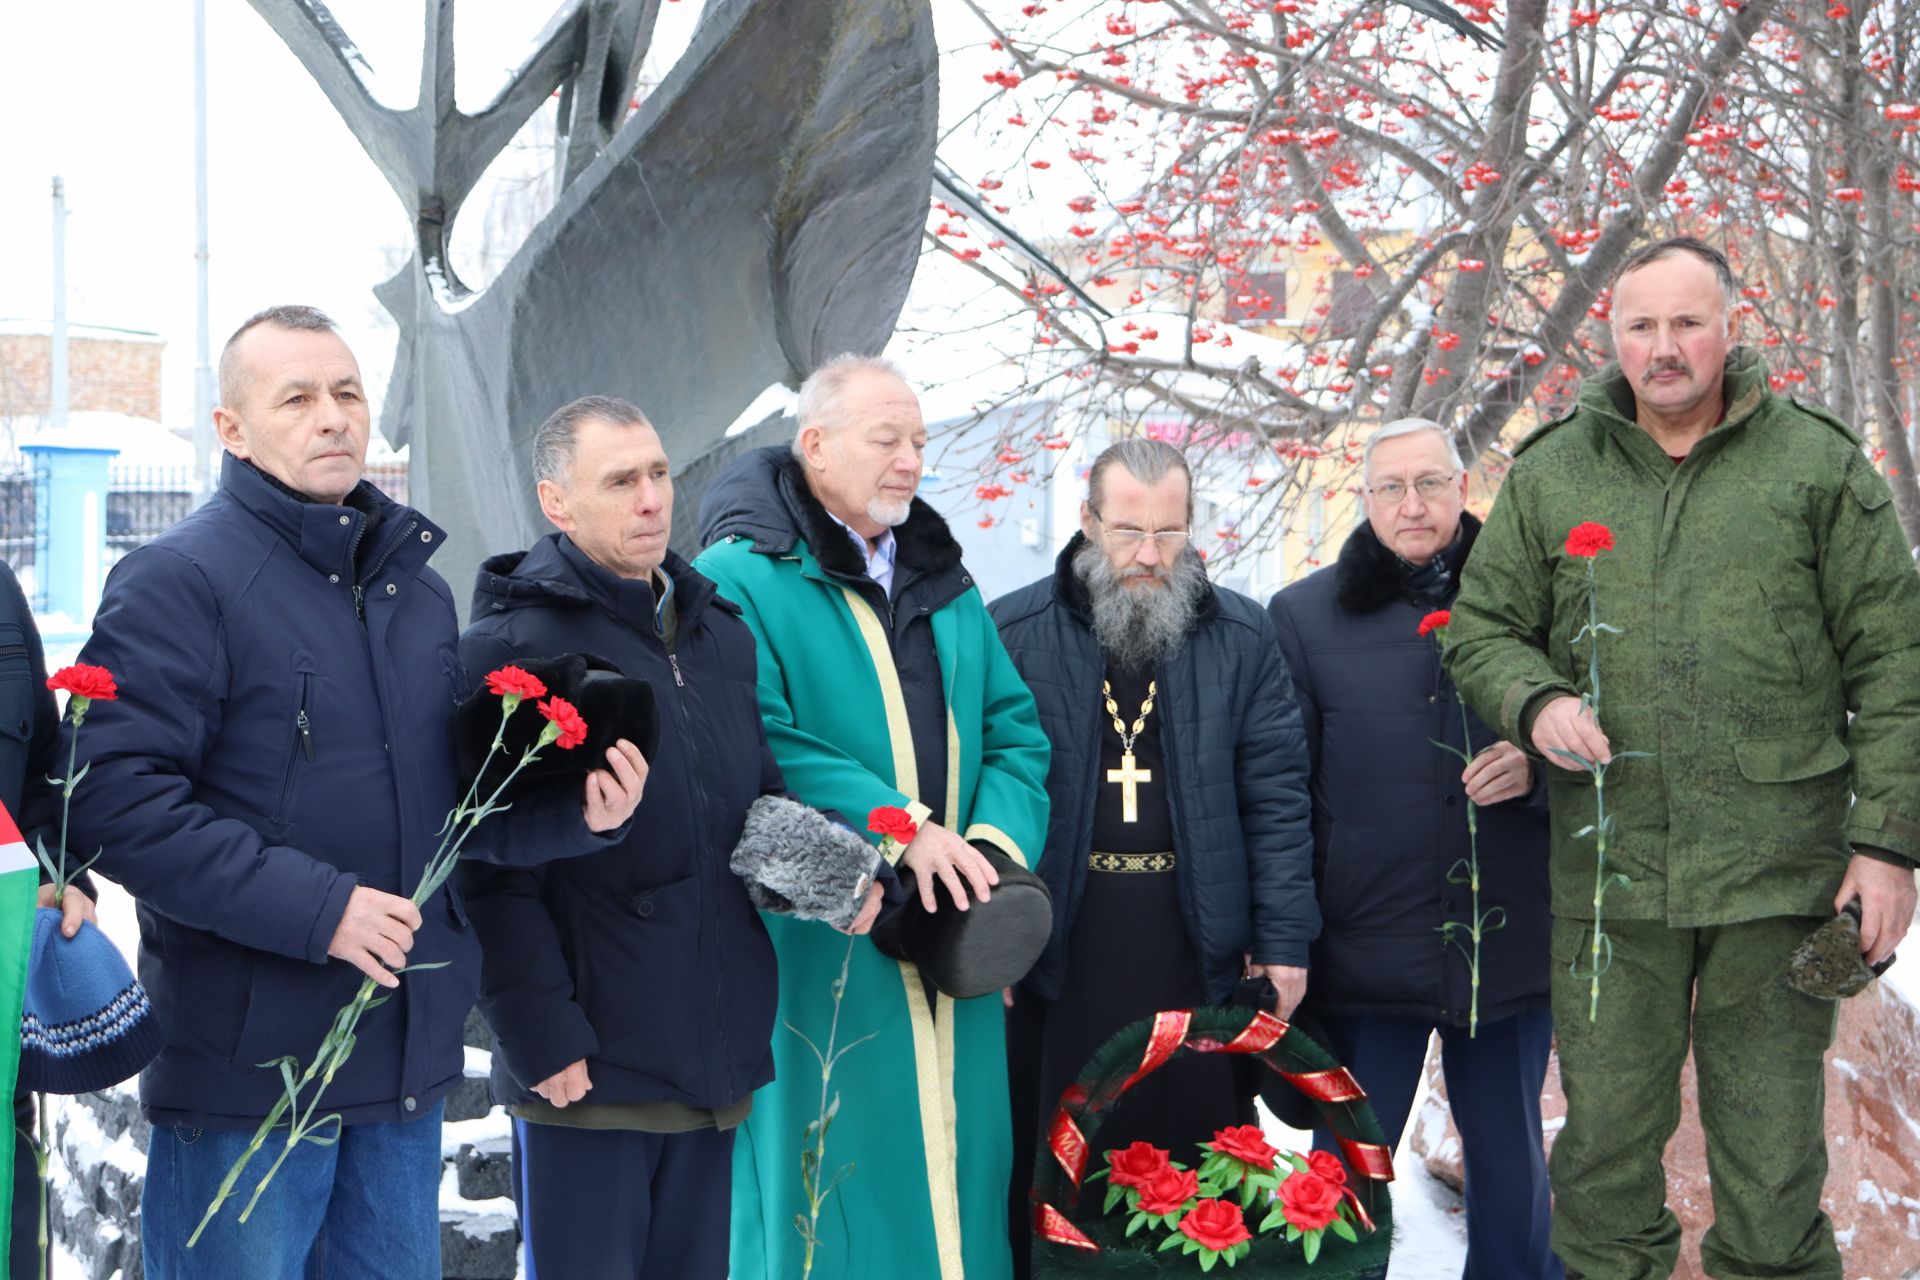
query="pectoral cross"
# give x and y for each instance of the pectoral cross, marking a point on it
(1129, 777)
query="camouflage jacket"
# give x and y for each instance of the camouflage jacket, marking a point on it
(1764, 591)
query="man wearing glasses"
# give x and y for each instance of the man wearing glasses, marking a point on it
(1396, 960)
(1178, 850)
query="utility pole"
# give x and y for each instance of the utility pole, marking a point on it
(203, 442)
(58, 407)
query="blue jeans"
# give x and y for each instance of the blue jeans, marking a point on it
(365, 1208)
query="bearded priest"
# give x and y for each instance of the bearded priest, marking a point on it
(1179, 851)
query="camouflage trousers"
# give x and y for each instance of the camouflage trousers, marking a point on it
(1757, 1051)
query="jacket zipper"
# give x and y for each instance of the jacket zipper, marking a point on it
(360, 587)
(303, 732)
(700, 807)
(10, 650)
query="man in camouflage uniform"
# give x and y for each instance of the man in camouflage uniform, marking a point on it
(1764, 591)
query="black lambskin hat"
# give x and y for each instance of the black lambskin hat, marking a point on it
(613, 705)
(978, 951)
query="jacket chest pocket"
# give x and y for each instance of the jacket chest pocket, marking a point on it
(302, 751)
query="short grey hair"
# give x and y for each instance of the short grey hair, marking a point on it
(1407, 427)
(1146, 460)
(820, 394)
(553, 441)
(1657, 250)
(233, 377)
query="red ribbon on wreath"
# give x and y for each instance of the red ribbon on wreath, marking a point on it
(1337, 1085)
(1369, 1159)
(1069, 1146)
(1169, 1033)
(1052, 1225)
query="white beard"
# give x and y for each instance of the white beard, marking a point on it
(889, 513)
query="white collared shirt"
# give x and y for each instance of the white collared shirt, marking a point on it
(879, 560)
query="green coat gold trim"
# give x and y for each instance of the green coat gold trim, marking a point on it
(924, 1116)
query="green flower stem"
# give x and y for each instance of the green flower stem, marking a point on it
(1473, 881)
(338, 1044)
(42, 1150)
(1599, 885)
(809, 1171)
(67, 785)
(1599, 796)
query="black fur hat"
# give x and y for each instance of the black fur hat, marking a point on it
(978, 951)
(613, 705)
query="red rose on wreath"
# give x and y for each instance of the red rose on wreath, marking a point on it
(517, 681)
(83, 681)
(890, 820)
(1325, 1164)
(1169, 1189)
(573, 729)
(1435, 621)
(1309, 1201)
(1216, 1224)
(1137, 1165)
(1589, 539)
(1246, 1143)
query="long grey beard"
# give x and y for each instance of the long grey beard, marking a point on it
(1139, 627)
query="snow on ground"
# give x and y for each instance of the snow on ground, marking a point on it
(1430, 1233)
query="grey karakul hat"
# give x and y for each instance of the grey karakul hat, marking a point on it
(797, 861)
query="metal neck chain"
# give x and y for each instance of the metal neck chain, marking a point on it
(1119, 725)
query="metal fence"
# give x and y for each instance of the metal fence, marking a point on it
(23, 526)
(142, 503)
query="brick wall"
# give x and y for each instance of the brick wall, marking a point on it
(116, 374)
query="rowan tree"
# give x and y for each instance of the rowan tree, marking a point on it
(1463, 206)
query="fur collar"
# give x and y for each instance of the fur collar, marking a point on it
(1368, 576)
(923, 543)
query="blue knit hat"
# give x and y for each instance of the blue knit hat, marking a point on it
(87, 1023)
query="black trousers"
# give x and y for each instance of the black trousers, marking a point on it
(617, 1204)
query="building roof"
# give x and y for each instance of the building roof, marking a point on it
(14, 327)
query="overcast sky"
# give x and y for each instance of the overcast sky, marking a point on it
(101, 93)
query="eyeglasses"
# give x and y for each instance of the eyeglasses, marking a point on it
(1393, 492)
(1168, 541)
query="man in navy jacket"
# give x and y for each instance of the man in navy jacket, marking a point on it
(630, 993)
(270, 788)
(1395, 962)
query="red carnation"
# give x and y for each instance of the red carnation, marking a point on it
(1435, 621)
(1325, 1164)
(573, 730)
(1168, 1190)
(1309, 1201)
(1247, 1144)
(1216, 1224)
(1136, 1166)
(82, 681)
(889, 820)
(516, 682)
(1589, 539)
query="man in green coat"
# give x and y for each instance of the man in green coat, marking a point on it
(1768, 657)
(882, 681)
